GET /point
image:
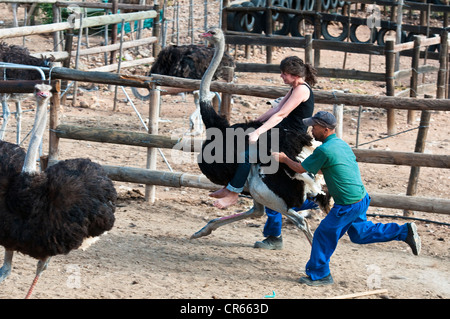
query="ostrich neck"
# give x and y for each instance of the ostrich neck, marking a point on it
(209, 73)
(37, 133)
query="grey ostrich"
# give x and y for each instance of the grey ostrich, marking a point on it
(48, 213)
(280, 191)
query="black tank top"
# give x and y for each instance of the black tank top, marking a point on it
(294, 121)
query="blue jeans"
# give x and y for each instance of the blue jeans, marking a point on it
(350, 219)
(274, 219)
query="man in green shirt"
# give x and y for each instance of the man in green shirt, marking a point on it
(337, 162)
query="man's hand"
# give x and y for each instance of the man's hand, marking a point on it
(279, 157)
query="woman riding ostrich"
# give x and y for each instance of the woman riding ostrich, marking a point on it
(280, 190)
(48, 213)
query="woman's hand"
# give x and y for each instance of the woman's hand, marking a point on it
(253, 137)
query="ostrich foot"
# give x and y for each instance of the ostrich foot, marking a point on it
(6, 268)
(256, 211)
(41, 266)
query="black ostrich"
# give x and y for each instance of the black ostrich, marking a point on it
(279, 191)
(48, 213)
(18, 55)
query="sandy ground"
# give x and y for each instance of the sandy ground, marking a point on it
(149, 253)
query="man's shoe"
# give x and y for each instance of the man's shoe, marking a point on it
(325, 281)
(271, 243)
(413, 239)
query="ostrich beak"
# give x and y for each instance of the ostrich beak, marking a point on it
(43, 94)
(205, 35)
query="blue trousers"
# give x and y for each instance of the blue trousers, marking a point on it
(274, 219)
(350, 219)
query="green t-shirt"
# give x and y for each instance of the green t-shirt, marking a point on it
(338, 164)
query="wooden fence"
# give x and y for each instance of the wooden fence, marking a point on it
(179, 179)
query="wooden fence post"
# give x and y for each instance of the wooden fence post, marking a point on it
(390, 86)
(66, 63)
(150, 190)
(420, 148)
(114, 28)
(443, 60)
(317, 32)
(54, 113)
(225, 108)
(308, 49)
(157, 31)
(414, 75)
(269, 25)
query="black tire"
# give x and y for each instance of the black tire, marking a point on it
(285, 20)
(230, 18)
(328, 36)
(334, 4)
(259, 3)
(325, 4)
(297, 4)
(295, 22)
(248, 22)
(138, 94)
(355, 39)
(381, 34)
(311, 4)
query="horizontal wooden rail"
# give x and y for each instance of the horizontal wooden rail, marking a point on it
(105, 135)
(386, 102)
(87, 22)
(321, 72)
(176, 179)
(62, 55)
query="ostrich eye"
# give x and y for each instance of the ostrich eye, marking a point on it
(212, 32)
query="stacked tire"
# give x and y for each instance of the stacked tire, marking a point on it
(254, 22)
(298, 24)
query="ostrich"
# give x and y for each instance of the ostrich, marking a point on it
(280, 191)
(189, 61)
(48, 213)
(17, 55)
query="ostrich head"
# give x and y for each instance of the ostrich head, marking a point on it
(214, 35)
(42, 93)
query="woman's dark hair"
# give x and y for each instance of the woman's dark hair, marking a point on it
(295, 66)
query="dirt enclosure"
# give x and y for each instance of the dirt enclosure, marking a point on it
(149, 253)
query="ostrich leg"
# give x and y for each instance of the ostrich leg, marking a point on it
(300, 222)
(6, 268)
(5, 115)
(19, 121)
(41, 266)
(256, 211)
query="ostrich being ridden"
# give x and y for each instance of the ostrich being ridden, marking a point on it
(48, 213)
(15, 54)
(281, 190)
